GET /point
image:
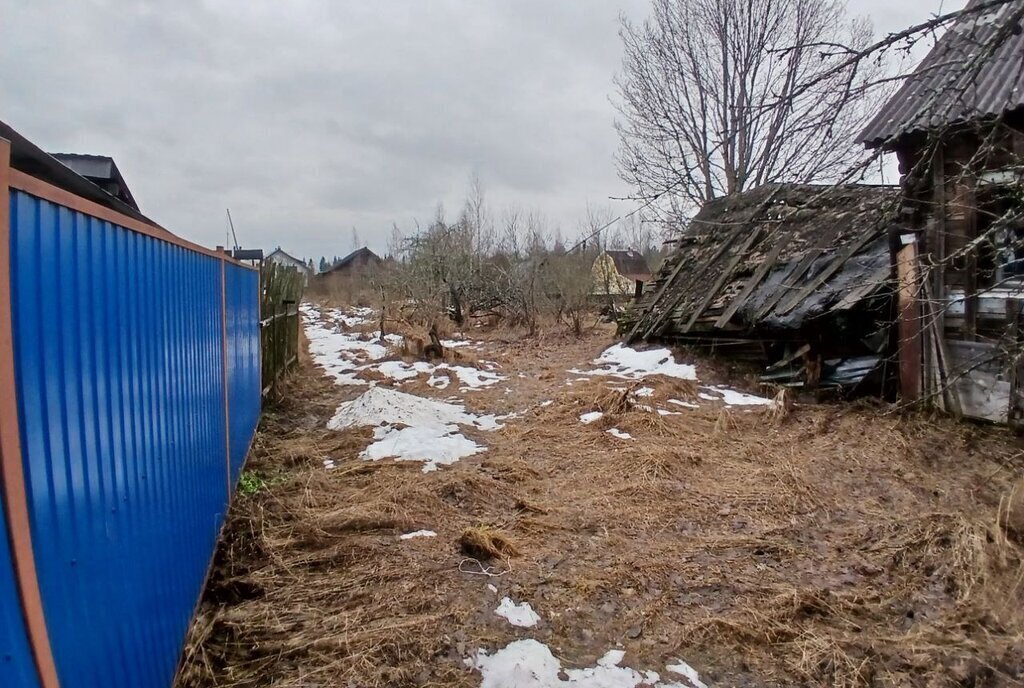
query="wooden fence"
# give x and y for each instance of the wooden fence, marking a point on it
(279, 322)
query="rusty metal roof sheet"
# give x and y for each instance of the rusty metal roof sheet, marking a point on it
(975, 70)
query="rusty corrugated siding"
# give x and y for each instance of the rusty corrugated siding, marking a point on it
(976, 69)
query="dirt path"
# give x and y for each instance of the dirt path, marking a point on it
(759, 545)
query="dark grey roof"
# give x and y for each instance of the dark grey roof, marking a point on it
(100, 170)
(363, 252)
(631, 264)
(31, 159)
(975, 70)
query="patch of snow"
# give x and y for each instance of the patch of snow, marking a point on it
(629, 364)
(439, 381)
(733, 398)
(684, 404)
(385, 406)
(412, 428)
(530, 664)
(545, 404)
(615, 432)
(707, 397)
(431, 445)
(340, 354)
(471, 378)
(663, 412)
(455, 343)
(418, 534)
(612, 658)
(591, 417)
(521, 614)
(329, 464)
(684, 669)
(644, 392)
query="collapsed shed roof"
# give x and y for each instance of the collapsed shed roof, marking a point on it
(976, 69)
(771, 259)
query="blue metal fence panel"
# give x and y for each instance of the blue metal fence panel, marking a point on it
(17, 667)
(243, 356)
(119, 360)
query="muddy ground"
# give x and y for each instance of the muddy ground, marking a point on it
(822, 544)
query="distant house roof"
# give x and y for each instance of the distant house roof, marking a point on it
(631, 265)
(974, 70)
(32, 160)
(102, 171)
(771, 258)
(363, 254)
(279, 252)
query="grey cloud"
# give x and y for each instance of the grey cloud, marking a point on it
(309, 117)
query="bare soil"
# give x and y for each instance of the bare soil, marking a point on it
(820, 545)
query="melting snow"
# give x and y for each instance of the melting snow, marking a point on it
(417, 534)
(684, 404)
(412, 428)
(684, 669)
(530, 664)
(644, 392)
(624, 362)
(615, 432)
(591, 417)
(521, 614)
(733, 398)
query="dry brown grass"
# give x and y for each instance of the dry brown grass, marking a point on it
(816, 545)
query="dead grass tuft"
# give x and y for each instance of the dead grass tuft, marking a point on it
(485, 543)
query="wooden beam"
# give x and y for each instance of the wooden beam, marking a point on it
(851, 250)
(908, 318)
(724, 277)
(756, 278)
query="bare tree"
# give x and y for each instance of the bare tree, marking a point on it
(717, 96)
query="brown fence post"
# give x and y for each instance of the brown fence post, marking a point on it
(19, 530)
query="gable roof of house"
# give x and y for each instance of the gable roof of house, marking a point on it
(974, 70)
(630, 264)
(281, 252)
(100, 170)
(771, 258)
(363, 252)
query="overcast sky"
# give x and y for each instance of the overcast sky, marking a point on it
(307, 118)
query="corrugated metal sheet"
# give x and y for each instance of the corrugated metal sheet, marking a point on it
(975, 69)
(118, 348)
(243, 356)
(17, 666)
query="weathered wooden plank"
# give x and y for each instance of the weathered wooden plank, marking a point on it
(724, 277)
(657, 324)
(788, 283)
(755, 279)
(908, 323)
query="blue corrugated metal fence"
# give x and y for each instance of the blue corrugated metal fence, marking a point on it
(137, 375)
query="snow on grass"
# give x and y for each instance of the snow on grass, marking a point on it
(433, 446)
(591, 417)
(521, 614)
(343, 354)
(615, 432)
(733, 398)
(629, 364)
(412, 428)
(684, 404)
(530, 664)
(684, 669)
(418, 534)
